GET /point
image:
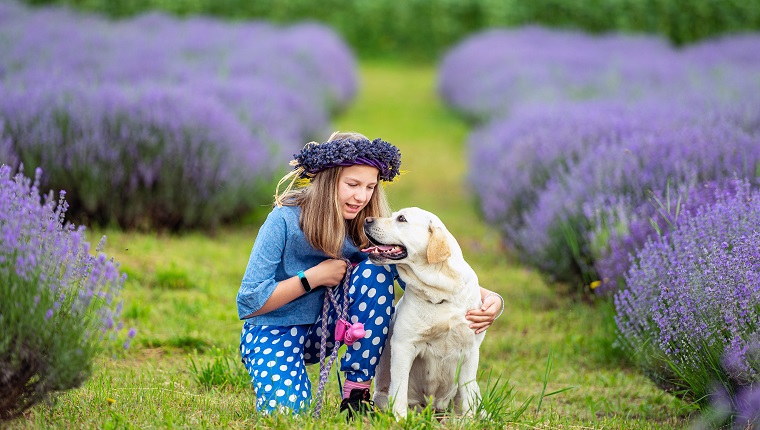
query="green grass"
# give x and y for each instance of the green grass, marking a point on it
(181, 297)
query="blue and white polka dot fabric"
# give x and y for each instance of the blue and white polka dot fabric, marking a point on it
(276, 356)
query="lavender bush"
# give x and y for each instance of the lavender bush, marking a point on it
(187, 121)
(690, 311)
(657, 216)
(583, 131)
(139, 159)
(735, 405)
(492, 73)
(570, 176)
(59, 303)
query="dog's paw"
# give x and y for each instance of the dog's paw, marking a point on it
(399, 412)
(483, 415)
(381, 399)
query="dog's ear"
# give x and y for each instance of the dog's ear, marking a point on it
(438, 247)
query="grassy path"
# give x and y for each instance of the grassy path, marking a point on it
(181, 298)
(400, 105)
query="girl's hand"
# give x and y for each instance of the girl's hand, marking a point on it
(482, 318)
(327, 273)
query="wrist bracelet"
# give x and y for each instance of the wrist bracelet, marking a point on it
(500, 298)
(304, 282)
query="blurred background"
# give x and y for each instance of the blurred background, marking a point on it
(422, 30)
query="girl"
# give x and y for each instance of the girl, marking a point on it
(301, 248)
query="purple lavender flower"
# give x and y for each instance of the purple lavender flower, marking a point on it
(493, 73)
(571, 175)
(735, 403)
(583, 131)
(657, 216)
(45, 265)
(185, 120)
(748, 408)
(693, 295)
(590, 148)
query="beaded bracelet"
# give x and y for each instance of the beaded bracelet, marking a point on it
(500, 298)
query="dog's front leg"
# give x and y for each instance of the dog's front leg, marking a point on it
(402, 358)
(469, 391)
(383, 375)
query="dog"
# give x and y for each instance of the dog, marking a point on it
(431, 355)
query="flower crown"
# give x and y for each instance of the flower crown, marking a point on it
(315, 157)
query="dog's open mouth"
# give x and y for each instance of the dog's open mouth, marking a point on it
(391, 252)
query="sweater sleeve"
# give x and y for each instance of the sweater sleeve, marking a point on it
(259, 279)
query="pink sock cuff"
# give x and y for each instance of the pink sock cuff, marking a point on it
(350, 385)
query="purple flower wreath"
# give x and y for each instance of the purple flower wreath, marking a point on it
(315, 157)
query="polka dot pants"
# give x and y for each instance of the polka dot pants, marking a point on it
(276, 356)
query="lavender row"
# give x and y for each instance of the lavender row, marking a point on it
(493, 73)
(690, 310)
(570, 181)
(561, 182)
(183, 120)
(60, 304)
(630, 168)
(307, 58)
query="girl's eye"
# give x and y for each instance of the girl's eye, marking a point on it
(401, 218)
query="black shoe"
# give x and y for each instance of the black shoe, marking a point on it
(358, 402)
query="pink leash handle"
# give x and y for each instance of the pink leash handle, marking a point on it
(348, 333)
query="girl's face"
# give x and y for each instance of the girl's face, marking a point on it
(355, 187)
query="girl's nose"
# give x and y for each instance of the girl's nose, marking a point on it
(361, 196)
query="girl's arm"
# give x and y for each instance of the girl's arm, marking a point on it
(258, 284)
(328, 272)
(259, 291)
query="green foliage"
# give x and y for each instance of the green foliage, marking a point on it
(38, 356)
(496, 405)
(173, 278)
(136, 311)
(544, 394)
(566, 256)
(424, 29)
(223, 370)
(184, 342)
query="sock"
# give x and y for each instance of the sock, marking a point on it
(350, 385)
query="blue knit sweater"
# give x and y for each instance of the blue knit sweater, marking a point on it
(279, 252)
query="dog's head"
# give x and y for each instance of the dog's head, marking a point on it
(410, 235)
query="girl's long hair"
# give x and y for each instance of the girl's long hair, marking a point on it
(321, 219)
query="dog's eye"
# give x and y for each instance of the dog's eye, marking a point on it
(401, 218)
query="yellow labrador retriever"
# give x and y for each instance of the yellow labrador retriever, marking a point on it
(429, 337)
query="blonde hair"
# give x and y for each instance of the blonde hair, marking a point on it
(321, 218)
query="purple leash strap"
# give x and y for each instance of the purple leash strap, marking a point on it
(325, 363)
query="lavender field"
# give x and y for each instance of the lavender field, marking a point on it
(606, 163)
(163, 122)
(615, 167)
(574, 134)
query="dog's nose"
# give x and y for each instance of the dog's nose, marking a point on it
(369, 220)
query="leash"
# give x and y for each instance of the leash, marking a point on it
(325, 363)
